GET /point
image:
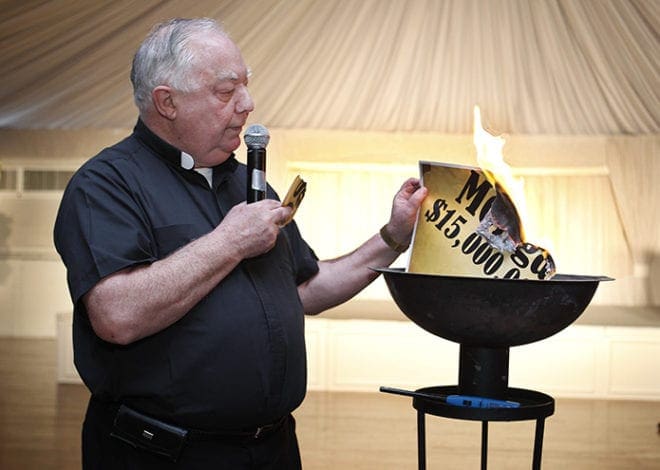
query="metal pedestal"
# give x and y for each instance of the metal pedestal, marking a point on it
(533, 405)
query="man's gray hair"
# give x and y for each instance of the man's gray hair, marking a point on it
(165, 58)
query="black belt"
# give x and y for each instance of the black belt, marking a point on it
(251, 433)
(165, 439)
(110, 411)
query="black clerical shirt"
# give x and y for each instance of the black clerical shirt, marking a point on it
(237, 359)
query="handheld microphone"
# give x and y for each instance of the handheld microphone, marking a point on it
(256, 139)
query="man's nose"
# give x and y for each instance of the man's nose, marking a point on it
(244, 104)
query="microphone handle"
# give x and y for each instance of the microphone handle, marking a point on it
(256, 177)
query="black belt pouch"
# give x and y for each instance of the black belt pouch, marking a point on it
(148, 433)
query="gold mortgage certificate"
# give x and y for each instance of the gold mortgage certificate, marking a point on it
(445, 239)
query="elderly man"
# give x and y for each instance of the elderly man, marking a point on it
(188, 302)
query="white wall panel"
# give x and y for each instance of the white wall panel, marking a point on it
(364, 355)
(568, 363)
(32, 291)
(361, 355)
(315, 339)
(66, 371)
(634, 362)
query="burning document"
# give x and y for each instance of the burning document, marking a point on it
(501, 225)
(469, 225)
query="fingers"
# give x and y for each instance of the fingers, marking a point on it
(410, 185)
(412, 192)
(404, 209)
(252, 229)
(275, 211)
(267, 210)
(410, 188)
(281, 215)
(418, 196)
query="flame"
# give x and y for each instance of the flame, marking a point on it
(498, 173)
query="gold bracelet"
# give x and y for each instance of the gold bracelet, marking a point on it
(393, 244)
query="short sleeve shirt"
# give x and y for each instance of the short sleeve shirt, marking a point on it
(238, 357)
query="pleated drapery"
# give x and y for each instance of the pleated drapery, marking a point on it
(536, 67)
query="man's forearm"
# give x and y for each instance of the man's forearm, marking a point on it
(139, 301)
(340, 279)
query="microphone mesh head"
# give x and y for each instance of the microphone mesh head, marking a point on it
(256, 136)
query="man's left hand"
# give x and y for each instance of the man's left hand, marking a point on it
(405, 205)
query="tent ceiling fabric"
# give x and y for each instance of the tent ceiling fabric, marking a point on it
(541, 67)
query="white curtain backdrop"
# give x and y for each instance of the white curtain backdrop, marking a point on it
(538, 67)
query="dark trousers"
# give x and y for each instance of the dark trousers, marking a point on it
(100, 451)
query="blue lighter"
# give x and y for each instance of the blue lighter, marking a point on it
(480, 402)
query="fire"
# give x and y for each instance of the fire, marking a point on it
(510, 207)
(502, 225)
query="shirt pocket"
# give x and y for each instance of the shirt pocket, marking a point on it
(170, 238)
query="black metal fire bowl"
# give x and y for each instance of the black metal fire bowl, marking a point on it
(487, 316)
(488, 312)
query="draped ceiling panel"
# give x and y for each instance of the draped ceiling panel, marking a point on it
(536, 67)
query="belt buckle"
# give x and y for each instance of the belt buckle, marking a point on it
(267, 428)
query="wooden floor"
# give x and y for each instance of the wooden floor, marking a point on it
(40, 428)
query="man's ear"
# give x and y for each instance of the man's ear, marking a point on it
(163, 102)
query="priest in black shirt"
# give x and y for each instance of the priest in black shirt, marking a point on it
(189, 303)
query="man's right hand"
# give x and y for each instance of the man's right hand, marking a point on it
(253, 228)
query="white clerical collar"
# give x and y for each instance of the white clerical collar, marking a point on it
(188, 163)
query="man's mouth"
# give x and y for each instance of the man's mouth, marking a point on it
(236, 129)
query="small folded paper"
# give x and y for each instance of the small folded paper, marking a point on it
(294, 197)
